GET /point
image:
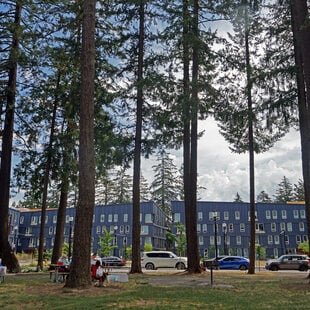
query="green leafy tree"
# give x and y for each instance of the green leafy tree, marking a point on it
(106, 243)
(180, 239)
(304, 246)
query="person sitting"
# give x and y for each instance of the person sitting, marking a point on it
(98, 273)
(63, 263)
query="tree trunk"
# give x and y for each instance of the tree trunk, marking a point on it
(79, 276)
(301, 34)
(192, 253)
(186, 122)
(46, 181)
(136, 261)
(251, 143)
(8, 257)
(60, 225)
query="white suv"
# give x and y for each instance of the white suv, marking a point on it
(162, 259)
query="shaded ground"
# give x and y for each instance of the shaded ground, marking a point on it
(179, 278)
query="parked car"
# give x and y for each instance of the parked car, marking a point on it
(289, 262)
(113, 261)
(162, 259)
(228, 262)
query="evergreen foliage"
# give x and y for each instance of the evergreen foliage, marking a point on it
(167, 183)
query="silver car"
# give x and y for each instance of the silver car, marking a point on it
(289, 262)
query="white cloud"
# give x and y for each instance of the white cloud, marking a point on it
(224, 173)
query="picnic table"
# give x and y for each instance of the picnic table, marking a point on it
(59, 272)
(2, 273)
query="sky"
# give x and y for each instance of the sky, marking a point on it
(224, 173)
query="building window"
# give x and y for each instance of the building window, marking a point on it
(177, 217)
(200, 216)
(289, 227)
(231, 227)
(200, 240)
(212, 240)
(101, 218)
(242, 227)
(238, 240)
(198, 227)
(284, 215)
(147, 240)
(121, 229)
(50, 230)
(302, 214)
(304, 238)
(54, 219)
(276, 239)
(98, 229)
(115, 218)
(226, 215)
(268, 214)
(32, 243)
(148, 218)
(295, 214)
(127, 229)
(144, 230)
(270, 241)
(273, 227)
(227, 239)
(298, 239)
(103, 228)
(259, 227)
(110, 218)
(34, 220)
(274, 214)
(21, 220)
(204, 228)
(282, 226)
(237, 215)
(301, 226)
(125, 217)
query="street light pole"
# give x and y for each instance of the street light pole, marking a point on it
(70, 237)
(215, 234)
(283, 243)
(224, 225)
(115, 239)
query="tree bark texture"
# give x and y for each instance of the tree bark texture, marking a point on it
(79, 276)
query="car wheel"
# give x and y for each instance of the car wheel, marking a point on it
(274, 268)
(243, 267)
(149, 266)
(303, 268)
(180, 266)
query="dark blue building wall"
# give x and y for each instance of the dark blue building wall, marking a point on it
(25, 227)
(279, 227)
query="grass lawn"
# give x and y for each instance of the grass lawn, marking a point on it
(231, 290)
